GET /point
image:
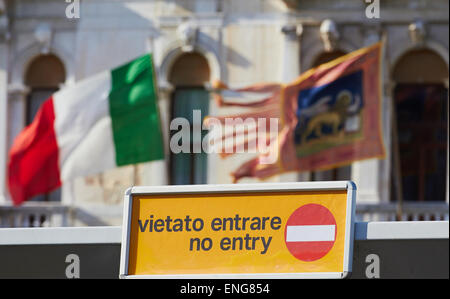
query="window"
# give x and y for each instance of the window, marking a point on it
(421, 118)
(44, 75)
(188, 75)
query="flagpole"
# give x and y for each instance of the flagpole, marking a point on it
(3, 118)
(397, 165)
(395, 144)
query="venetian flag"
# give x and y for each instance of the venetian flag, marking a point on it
(329, 116)
(108, 120)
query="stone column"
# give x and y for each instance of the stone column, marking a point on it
(291, 52)
(15, 114)
(446, 191)
(3, 101)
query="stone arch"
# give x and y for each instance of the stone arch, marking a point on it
(436, 51)
(21, 61)
(45, 70)
(179, 74)
(318, 49)
(176, 50)
(431, 45)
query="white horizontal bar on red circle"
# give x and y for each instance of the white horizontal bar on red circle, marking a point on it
(310, 233)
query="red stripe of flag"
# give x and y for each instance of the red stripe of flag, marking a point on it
(33, 158)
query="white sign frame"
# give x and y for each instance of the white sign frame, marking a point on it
(349, 186)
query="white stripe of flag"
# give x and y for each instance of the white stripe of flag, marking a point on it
(310, 233)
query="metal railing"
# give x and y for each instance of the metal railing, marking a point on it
(410, 211)
(35, 214)
(51, 214)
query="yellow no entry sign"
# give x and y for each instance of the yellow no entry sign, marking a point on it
(280, 230)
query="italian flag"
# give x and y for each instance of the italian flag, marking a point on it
(105, 121)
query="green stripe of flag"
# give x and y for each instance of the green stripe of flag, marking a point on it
(134, 112)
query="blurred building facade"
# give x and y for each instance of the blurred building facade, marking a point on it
(48, 44)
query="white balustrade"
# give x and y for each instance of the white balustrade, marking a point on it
(52, 214)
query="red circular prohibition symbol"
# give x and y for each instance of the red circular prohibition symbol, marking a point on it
(310, 232)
